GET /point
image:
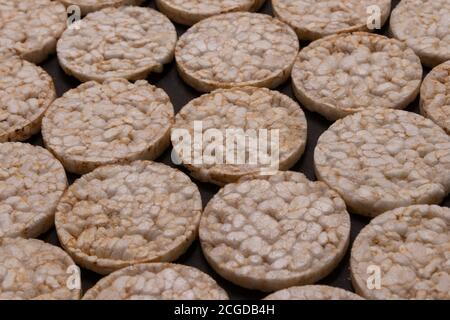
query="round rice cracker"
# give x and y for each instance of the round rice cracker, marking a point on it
(26, 91)
(192, 11)
(31, 28)
(274, 232)
(113, 122)
(435, 96)
(31, 269)
(313, 292)
(235, 50)
(120, 215)
(88, 6)
(346, 73)
(128, 42)
(381, 159)
(157, 281)
(313, 19)
(246, 108)
(424, 26)
(31, 183)
(411, 247)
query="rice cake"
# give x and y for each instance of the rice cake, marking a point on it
(424, 26)
(119, 215)
(435, 96)
(274, 232)
(127, 42)
(157, 281)
(31, 269)
(251, 110)
(113, 122)
(346, 73)
(381, 159)
(26, 91)
(410, 246)
(314, 19)
(313, 292)
(189, 12)
(31, 28)
(87, 6)
(31, 183)
(236, 49)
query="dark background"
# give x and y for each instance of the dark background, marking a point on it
(181, 94)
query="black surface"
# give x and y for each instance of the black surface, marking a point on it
(180, 94)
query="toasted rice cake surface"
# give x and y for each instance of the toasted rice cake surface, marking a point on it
(31, 28)
(435, 96)
(113, 122)
(189, 12)
(424, 26)
(26, 91)
(157, 281)
(31, 183)
(313, 292)
(236, 49)
(381, 159)
(346, 73)
(87, 6)
(6, 50)
(119, 215)
(274, 232)
(250, 110)
(411, 248)
(127, 42)
(314, 19)
(31, 269)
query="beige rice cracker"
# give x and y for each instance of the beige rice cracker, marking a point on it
(314, 19)
(236, 49)
(381, 159)
(346, 73)
(119, 215)
(313, 292)
(410, 248)
(31, 184)
(31, 269)
(274, 232)
(435, 96)
(6, 52)
(189, 12)
(157, 281)
(240, 114)
(26, 91)
(31, 28)
(87, 6)
(424, 26)
(127, 42)
(113, 122)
